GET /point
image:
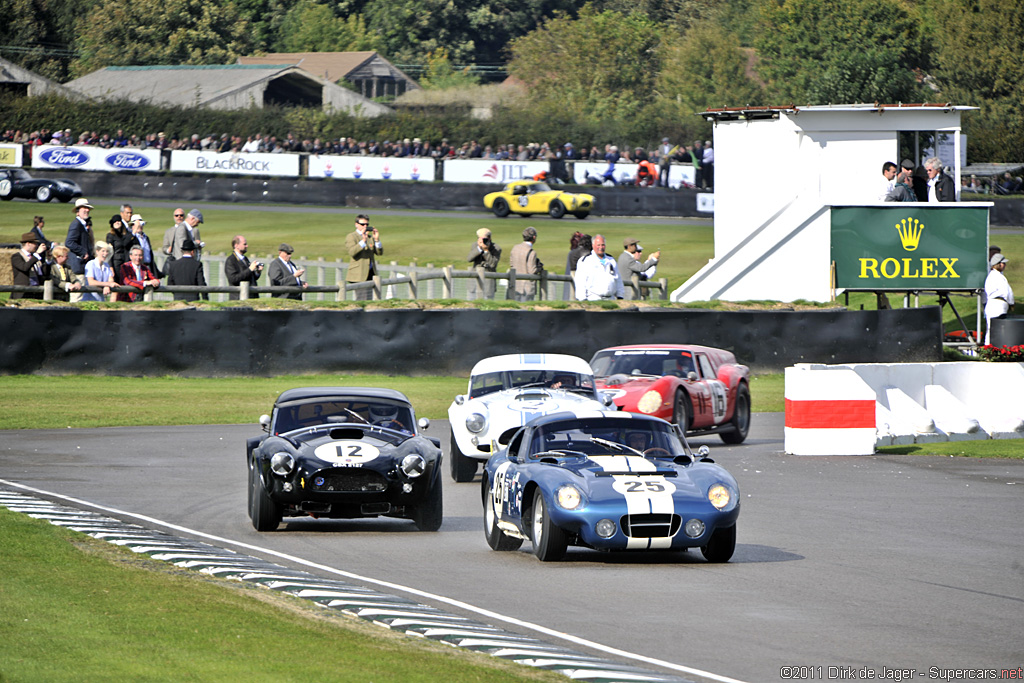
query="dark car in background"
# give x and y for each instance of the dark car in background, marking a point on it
(16, 182)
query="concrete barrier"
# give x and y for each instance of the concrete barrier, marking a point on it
(912, 403)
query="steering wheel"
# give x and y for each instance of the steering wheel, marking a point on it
(658, 453)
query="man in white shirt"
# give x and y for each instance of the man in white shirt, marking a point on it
(597, 275)
(889, 171)
(998, 295)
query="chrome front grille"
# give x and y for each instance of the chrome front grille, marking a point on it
(650, 525)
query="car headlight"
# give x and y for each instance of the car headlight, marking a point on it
(476, 423)
(569, 497)
(719, 496)
(649, 402)
(282, 463)
(413, 465)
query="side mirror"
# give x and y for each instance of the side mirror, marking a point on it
(460, 399)
(692, 376)
(423, 423)
(703, 452)
(265, 423)
(607, 399)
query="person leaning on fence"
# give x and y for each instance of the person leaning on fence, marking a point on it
(135, 273)
(629, 265)
(524, 261)
(484, 254)
(65, 283)
(30, 270)
(187, 270)
(597, 275)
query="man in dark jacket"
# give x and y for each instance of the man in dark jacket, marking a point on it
(941, 187)
(187, 270)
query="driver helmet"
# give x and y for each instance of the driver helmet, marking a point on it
(637, 440)
(383, 412)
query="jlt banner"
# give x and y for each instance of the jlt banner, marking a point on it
(490, 170)
(10, 155)
(371, 168)
(88, 158)
(190, 161)
(906, 248)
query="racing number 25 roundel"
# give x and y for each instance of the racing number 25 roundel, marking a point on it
(346, 453)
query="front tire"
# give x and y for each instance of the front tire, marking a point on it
(681, 410)
(549, 541)
(581, 214)
(721, 545)
(556, 209)
(429, 515)
(266, 514)
(44, 194)
(500, 208)
(463, 468)
(496, 538)
(740, 418)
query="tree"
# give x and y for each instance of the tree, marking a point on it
(38, 34)
(440, 74)
(601, 65)
(830, 51)
(311, 26)
(979, 60)
(150, 32)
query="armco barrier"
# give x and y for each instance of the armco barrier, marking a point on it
(242, 341)
(853, 409)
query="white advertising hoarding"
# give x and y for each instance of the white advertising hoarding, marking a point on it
(624, 173)
(191, 161)
(10, 155)
(87, 158)
(490, 170)
(371, 168)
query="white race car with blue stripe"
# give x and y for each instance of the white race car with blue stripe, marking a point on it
(609, 481)
(506, 392)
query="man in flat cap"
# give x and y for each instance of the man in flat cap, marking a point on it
(484, 254)
(524, 260)
(30, 269)
(998, 294)
(188, 229)
(629, 265)
(187, 270)
(283, 273)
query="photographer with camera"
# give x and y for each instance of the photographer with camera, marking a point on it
(238, 268)
(485, 254)
(363, 245)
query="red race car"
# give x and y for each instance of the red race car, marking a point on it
(704, 390)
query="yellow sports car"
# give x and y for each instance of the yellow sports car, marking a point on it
(527, 197)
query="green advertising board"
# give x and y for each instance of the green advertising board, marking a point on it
(910, 248)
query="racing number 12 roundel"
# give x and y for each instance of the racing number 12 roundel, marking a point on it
(346, 453)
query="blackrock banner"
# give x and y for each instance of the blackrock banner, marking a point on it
(908, 248)
(88, 158)
(190, 161)
(371, 168)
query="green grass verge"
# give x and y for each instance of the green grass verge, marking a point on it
(28, 401)
(78, 609)
(993, 448)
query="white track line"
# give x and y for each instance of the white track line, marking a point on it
(705, 675)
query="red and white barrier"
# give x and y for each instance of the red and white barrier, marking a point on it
(829, 411)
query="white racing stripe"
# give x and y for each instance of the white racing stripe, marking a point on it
(704, 675)
(644, 492)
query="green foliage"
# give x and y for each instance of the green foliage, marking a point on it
(822, 51)
(440, 73)
(601, 65)
(311, 26)
(149, 32)
(979, 60)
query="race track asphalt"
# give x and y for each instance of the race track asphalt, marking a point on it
(883, 562)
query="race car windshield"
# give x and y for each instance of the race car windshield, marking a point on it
(487, 383)
(353, 411)
(539, 187)
(607, 437)
(653, 362)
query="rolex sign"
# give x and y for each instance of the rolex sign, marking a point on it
(907, 249)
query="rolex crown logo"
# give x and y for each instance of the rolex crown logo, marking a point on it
(909, 230)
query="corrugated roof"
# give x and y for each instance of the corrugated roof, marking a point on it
(180, 85)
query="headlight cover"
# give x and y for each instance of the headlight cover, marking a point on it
(476, 423)
(720, 496)
(282, 463)
(569, 497)
(413, 465)
(649, 402)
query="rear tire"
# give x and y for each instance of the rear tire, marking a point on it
(549, 541)
(44, 194)
(740, 418)
(463, 468)
(496, 538)
(500, 208)
(430, 514)
(556, 209)
(721, 545)
(266, 514)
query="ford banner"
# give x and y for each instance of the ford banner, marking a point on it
(87, 158)
(190, 161)
(371, 168)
